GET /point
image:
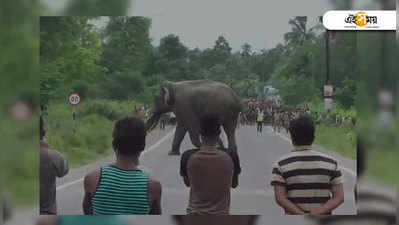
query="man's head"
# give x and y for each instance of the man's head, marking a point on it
(42, 129)
(210, 126)
(302, 131)
(129, 136)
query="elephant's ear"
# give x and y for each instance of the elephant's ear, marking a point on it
(168, 93)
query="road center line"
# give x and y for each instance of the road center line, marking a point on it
(146, 151)
(349, 171)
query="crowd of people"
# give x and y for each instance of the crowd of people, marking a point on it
(279, 116)
(305, 181)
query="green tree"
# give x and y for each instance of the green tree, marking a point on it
(127, 44)
(346, 93)
(300, 32)
(69, 51)
(246, 50)
(171, 48)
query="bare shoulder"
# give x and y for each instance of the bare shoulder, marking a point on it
(154, 185)
(91, 180)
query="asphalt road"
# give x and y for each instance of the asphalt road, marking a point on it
(253, 196)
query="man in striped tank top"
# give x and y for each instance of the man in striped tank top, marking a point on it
(306, 181)
(121, 188)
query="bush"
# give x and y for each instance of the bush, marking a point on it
(89, 137)
(97, 133)
(112, 110)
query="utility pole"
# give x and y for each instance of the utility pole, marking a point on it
(327, 89)
(327, 57)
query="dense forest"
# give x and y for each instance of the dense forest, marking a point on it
(117, 61)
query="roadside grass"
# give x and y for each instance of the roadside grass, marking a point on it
(341, 139)
(382, 164)
(89, 137)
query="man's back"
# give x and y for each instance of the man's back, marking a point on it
(52, 165)
(308, 176)
(210, 174)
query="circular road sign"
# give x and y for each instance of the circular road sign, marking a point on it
(74, 98)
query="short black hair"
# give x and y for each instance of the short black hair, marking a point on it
(42, 130)
(129, 135)
(302, 131)
(210, 125)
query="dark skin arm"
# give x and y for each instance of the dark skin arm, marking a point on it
(155, 195)
(237, 168)
(186, 181)
(281, 198)
(183, 166)
(333, 203)
(90, 185)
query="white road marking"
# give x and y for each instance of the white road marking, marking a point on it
(69, 184)
(158, 143)
(146, 151)
(349, 171)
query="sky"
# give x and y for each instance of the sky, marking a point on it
(198, 23)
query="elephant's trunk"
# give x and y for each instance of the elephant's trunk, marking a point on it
(152, 122)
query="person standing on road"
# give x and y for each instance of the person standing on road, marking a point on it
(210, 172)
(259, 121)
(306, 181)
(122, 188)
(52, 165)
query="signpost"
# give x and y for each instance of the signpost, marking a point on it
(328, 94)
(74, 99)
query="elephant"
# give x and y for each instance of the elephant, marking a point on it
(190, 101)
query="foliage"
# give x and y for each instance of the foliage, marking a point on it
(294, 77)
(82, 141)
(341, 139)
(126, 44)
(111, 110)
(89, 136)
(69, 51)
(171, 48)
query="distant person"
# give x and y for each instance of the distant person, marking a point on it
(210, 172)
(52, 165)
(306, 181)
(259, 121)
(6, 209)
(122, 188)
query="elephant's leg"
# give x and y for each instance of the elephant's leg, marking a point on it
(177, 139)
(229, 129)
(195, 138)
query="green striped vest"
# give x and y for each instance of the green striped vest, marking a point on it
(121, 192)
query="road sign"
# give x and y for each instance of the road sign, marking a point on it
(328, 91)
(74, 98)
